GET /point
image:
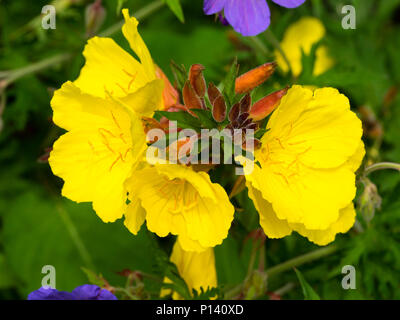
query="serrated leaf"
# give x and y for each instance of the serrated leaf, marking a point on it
(308, 291)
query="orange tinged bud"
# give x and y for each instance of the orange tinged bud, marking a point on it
(262, 108)
(197, 80)
(219, 109)
(234, 112)
(245, 103)
(213, 92)
(170, 94)
(190, 97)
(252, 79)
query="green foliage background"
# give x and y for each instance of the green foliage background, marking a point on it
(38, 227)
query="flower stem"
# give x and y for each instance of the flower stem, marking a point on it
(14, 75)
(381, 166)
(272, 39)
(308, 257)
(259, 45)
(73, 232)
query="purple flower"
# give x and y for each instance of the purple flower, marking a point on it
(248, 17)
(85, 292)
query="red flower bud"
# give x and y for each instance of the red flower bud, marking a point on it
(262, 108)
(190, 97)
(219, 109)
(197, 80)
(252, 79)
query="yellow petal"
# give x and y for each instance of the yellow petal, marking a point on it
(180, 201)
(317, 130)
(137, 44)
(96, 156)
(273, 227)
(146, 99)
(323, 61)
(134, 216)
(301, 36)
(90, 173)
(110, 68)
(197, 269)
(357, 158)
(309, 196)
(323, 237)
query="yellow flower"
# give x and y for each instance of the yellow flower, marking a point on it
(105, 137)
(196, 268)
(176, 199)
(109, 67)
(302, 35)
(305, 180)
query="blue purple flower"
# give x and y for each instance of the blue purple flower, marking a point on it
(248, 17)
(85, 292)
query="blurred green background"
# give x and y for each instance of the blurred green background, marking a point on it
(38, 227)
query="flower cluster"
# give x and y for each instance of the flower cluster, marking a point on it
(303, 165)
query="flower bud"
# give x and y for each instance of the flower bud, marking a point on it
(213, 92)
(197, 80)
(369, 201)
(219, 109)
(245, 103)
(190, 97)
(234, 112)
(252, 79)
(262, 108)
(95, 15)
(242, 118)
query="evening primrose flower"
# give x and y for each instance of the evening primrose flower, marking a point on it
(305, 179)
(110, 68)
(301, 36)
(249, 17)
(102, 112)
(178, 200)
(196, 268)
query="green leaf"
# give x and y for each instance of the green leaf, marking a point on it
(93, 278)
(119, 6)
(308, 291)
(206, 118)
(177, 284)
(39, 230)
(308, 63)
(7, 279)
(231, 269)
(176, 8)
(180, 74)
(229, 83)
(184, 120)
